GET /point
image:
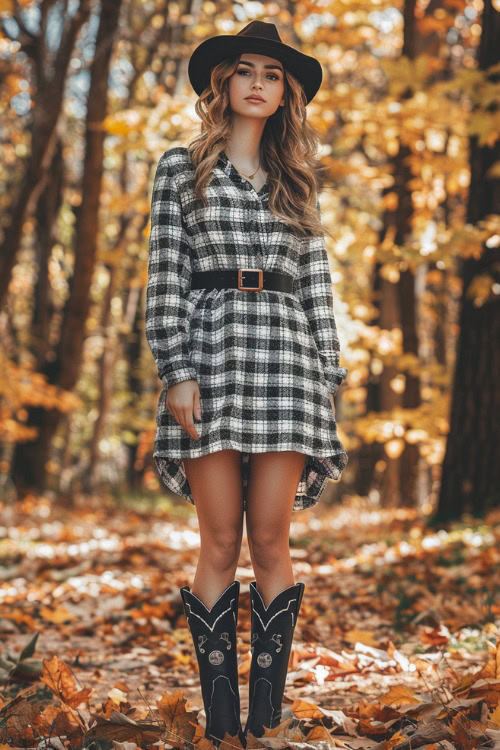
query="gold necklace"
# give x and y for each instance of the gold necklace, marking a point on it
(250, 176)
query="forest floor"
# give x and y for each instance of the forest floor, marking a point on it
(397, 644)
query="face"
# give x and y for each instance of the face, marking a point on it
(260, 76)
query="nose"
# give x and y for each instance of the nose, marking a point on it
(257, 80)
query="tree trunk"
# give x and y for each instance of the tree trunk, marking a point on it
(64, 371)
(389, 305)
(471, 469)
(46, 112)
(46, 217)
(106, 371)
(396, 303)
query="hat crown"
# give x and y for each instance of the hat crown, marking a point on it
(261, 38)
(261, 29)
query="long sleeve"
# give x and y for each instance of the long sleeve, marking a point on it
(169, 279)
(314, 290)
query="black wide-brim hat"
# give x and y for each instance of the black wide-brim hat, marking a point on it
(263, 39)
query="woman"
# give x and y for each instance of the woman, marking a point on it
(240, 322)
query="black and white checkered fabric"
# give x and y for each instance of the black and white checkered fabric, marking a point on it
(266, 361)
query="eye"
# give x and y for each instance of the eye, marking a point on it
(274, 77)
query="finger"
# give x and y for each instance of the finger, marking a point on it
(188, 422)
(173, 411)
(197, 405)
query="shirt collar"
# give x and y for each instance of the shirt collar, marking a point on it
(231, 171)
(224, 163)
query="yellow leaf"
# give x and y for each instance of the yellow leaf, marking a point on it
(428, 24)
(114, 126)
(318, 734)
(398, 696)
(57, 616)
(361, 636)
(59, 678)
(302, 709)
(179, 722)
(6, 6)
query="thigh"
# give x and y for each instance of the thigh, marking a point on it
(216, 487)
(272, 486)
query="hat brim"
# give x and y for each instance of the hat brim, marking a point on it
(212, 51)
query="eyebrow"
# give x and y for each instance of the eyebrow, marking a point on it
(270, 66)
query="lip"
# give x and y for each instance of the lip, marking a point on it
(254, 99)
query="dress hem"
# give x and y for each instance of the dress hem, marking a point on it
(230, 445)
(302, 501)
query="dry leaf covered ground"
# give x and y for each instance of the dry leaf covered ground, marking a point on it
(397, 644)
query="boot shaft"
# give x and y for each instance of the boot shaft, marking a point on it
(210, 627)
(275, 624)
(214, 637)
(271, 642)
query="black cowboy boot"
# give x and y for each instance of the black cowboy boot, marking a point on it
(214, 637)
(271, 643)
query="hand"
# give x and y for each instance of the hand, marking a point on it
(332, 403)
(183, 401)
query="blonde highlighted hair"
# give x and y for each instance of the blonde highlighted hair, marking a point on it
(289, 148)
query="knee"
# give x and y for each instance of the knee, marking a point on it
(223, 547)
(267, 548)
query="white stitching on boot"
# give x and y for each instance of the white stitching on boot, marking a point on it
(262, 600)
(275, 638)
(210, 627)
(213, 605)
(270, 694)
(285, 609)
(223, 676)
(201, 641)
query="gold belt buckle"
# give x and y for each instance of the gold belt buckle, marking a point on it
(260, 282)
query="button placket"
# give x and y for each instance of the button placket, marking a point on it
(261, 234)
(258, 235)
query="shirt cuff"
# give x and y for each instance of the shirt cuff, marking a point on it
(335, 376)
(178, 375)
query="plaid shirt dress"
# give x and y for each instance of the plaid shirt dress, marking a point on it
(265, 362)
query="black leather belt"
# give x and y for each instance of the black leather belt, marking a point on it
(245, 279)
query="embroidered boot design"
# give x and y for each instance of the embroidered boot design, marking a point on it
(214, 637)
(271, 643)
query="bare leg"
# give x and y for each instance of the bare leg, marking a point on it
(215, 481)
(272, 484)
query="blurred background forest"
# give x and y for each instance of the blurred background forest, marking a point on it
(92, 93)
(399, 639)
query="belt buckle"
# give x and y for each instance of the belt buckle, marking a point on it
(260, 282)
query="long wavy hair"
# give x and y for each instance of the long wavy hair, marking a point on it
(288, 149)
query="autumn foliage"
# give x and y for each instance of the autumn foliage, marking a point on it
(398, 644)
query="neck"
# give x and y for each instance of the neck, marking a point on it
(243, 145)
